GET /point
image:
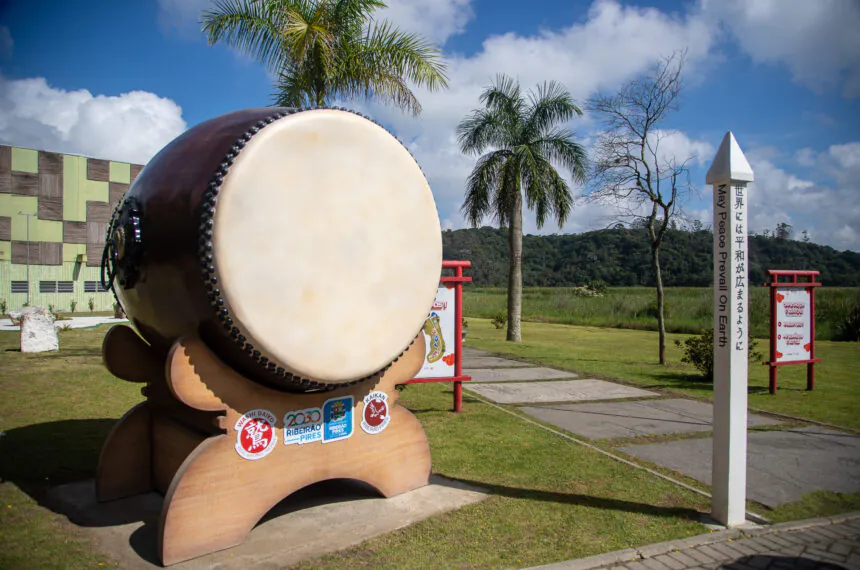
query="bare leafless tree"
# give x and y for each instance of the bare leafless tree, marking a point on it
(631, 171)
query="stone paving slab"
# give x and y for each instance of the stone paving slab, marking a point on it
(474, 352)
(317, 520)
(558, 391)
(633, 419)
(781, 465)
(515, 374)
(491, 362)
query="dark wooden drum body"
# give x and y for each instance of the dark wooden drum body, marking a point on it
(303, 246)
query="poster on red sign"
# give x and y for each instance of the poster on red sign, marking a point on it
(793, 324)
(439, 336)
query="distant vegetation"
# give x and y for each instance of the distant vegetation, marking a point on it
(620, 257)
(688, 309)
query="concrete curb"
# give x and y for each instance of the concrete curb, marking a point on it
(660, 548)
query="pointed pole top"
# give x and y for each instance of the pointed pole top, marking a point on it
(730, 164)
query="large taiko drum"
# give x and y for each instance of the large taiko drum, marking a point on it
(302, 245)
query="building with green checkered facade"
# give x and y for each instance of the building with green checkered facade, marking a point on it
(54, 212)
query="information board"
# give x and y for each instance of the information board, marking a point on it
(793, 324)
(439, 336)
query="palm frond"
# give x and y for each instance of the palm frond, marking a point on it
(550, 105)
(506, 192)
(482, 129)
(293, 88)
(252, 27)
(482, 185)
(558, 147)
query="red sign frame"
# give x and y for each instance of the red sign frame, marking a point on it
(456, 281)
(790, 278)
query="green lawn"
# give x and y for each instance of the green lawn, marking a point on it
(631, 356)
(688, 309)
(552, 499)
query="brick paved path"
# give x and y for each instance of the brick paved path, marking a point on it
(809, 545)
(826, 546)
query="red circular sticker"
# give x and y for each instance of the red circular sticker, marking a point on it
(256, 434)
(375, 416)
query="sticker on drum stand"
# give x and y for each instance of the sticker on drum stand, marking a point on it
(256, 434)
(303, 426)
(337, 419)
(376, 415)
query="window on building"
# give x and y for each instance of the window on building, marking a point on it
(20, 286)
(94, 287)
(65, 286)
(47, 286)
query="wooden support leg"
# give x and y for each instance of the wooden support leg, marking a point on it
(206, 510)
(125, 463)
(217, 495)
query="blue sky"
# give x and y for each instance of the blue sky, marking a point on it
(121, 79)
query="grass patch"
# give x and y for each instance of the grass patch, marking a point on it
(631, 356)
(56, 411)
(553, 500)
(689, 310)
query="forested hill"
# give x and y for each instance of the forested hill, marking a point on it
(620, 257)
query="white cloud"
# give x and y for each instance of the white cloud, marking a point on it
(436, 20)
(182, 16)
(816, 39)
(830, 212)
(129, 127)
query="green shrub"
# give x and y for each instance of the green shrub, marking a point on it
(73, 305)
(500, 320)
(849, 328)
(699, 351)
(91, 304)
(599, 287)
(3, 306)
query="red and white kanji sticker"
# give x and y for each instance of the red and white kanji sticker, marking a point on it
(255, 437)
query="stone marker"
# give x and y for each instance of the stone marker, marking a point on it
(559, 391)
(16, 316)
(729, 175)
(632, 419)
(38, 333)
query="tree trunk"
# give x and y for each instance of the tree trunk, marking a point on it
(661, 322)
(515, 270)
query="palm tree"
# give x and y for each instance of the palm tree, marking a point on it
(526, 138)
(320, 50)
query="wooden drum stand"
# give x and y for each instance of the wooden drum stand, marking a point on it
(224, 450)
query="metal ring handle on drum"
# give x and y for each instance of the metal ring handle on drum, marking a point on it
(207, 259)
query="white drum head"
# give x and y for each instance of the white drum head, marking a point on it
(327, 245)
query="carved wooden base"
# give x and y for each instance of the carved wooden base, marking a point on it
(184, 442)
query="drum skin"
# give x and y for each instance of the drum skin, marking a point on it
(159, 266)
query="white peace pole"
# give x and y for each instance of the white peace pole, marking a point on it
(729, 175)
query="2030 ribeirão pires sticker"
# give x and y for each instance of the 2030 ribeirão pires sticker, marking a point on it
(255, 437)
(303, 426)
(376, 415)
